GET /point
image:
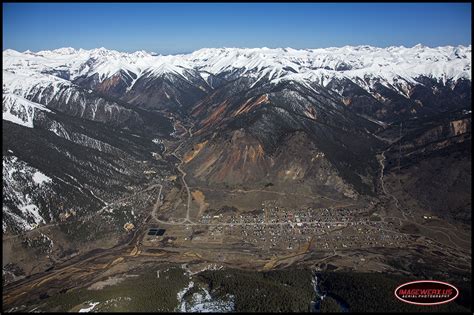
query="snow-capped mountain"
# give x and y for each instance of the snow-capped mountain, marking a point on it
(218, 87)
(321, 65)
(89, 134)
(156, 81)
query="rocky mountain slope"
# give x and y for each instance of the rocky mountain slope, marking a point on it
(383, 73)
(83, 128)
(246, 106)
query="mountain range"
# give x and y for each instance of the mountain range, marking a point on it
(83, 129)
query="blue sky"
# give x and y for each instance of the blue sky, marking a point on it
(184, 27)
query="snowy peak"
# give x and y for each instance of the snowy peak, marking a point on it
(216, 60)
(363, 64)
(12, 52)
(65, 51)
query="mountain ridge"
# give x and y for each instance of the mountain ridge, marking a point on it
(214, 60)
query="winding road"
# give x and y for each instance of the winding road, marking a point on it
(158, 202)
(382, 168)
(397, 205)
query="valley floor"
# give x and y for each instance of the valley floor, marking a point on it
(374, 235)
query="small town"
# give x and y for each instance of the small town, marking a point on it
(275, 227)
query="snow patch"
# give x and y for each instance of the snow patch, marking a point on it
(21, 188)
(19, 110)
(39, 178)
(32, 210)
(202, 301)
(90, 308)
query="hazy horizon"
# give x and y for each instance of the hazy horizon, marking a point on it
(189, 52)
(181, 28)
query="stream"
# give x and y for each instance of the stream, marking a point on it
(315, 306)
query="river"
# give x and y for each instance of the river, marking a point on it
(315, 306)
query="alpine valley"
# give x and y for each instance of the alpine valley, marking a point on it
(227, 167)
